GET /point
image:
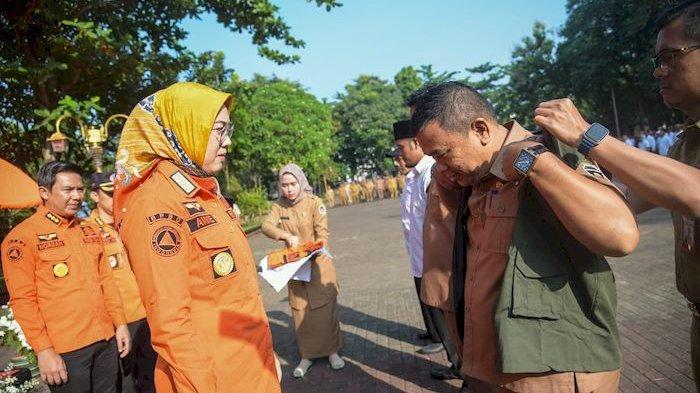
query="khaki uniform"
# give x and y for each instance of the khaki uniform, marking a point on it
(393, 187)
(355, 193)
(401, 181)
(687, 236)
(330, 197)
(380, 186)
(314, 304)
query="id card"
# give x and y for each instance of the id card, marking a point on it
(689, 236)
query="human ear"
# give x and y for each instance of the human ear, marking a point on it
(482, 129)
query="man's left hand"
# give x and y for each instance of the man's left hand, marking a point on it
(561, 119)
(123, 338)
(508, 154)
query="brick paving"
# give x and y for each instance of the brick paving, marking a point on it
(380, 316)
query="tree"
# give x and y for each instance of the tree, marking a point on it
(407, 80)
(277, 124)
(117, 51)
(365, 113)
(605, 51)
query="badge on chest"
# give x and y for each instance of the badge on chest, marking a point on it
(223, 264)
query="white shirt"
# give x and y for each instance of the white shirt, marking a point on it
(414, 200)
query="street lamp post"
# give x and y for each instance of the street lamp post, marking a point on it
(93, 137)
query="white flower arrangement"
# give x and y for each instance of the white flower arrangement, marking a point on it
(8, 325)
(7, 385)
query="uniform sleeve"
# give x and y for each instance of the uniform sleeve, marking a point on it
(18, 265)
(160, 253)
(320, 221)
(270, 225)
(110, 292)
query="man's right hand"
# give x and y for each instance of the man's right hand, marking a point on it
(52, 367)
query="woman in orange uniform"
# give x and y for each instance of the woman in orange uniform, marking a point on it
(299, 217)
(191, 259)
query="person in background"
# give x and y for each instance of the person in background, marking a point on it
(299, 217)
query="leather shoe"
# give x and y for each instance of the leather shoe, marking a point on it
(445, 373)
(431, 348)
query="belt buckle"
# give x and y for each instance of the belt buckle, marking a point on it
(694, 307)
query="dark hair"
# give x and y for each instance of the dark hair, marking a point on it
(416, 95)
(688, 9)
(453, 104)
(46, 176)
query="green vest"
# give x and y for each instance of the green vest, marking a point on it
(557, 305)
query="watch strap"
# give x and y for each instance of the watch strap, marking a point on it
(592, 137)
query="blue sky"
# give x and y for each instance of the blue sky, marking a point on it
(378, 37)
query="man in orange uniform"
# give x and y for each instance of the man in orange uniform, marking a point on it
(61, 289)
(141, 361)
(190, 256)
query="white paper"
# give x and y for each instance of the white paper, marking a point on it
(278, 278)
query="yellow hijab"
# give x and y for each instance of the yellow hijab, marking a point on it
(172, 124)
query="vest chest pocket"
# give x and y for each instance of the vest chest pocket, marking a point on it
(538, 286)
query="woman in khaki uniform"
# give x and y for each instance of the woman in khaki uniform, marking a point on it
(299, 217)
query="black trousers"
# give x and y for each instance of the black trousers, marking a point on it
(139, 365)
(427, 317)
(438, 317)
(92, 369)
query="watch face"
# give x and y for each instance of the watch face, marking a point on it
(597, 132)
(524, 161)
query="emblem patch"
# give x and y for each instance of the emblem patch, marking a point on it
(47, 237)
(193, 207)
(166, 241)
(114, 261)
(165, 216)
(60, 270)
(223, 264)
(322, 210)
(14, 253)
(200, 222)
(50, 244)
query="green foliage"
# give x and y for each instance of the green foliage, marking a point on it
(407, 80)
(277, 122)
(365, 114)
(253, 202)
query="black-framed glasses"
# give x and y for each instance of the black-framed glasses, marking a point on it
(670, 56)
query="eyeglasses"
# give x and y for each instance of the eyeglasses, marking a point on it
(224, 130)
(668, 57)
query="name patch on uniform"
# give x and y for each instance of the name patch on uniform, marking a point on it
(89, 234)
(181, 181)
(193, 208)
(166, 241)
(50, 244)
(165, 216)
(231, 214)
(200, 222)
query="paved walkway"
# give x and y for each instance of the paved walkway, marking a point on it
(380, 317)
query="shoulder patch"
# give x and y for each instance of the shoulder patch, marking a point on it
(593, 170)
(166, 241)
(200, 222)
(183, 182)
(15, 250)
(322, 209)
(193, 207)
(164, 216)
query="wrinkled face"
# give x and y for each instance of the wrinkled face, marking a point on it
(464, 154)
(679, 75)
(290, 186)
(219, 140)
(66, 195)
(103, 200)
(410, 151)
